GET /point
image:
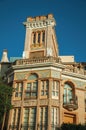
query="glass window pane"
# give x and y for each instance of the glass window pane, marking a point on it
(20, 86)
(34, 94)
(35, 86)
(42, 93)
(46, 93)
(28, 86)
(19, 94)
(27, 94)
(56, 93)
(16, 94)
(53, 93)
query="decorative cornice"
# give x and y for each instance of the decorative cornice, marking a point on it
(40, 24)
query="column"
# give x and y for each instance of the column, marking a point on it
(38, 107)
(49, 105)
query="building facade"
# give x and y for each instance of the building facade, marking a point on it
(49, 89)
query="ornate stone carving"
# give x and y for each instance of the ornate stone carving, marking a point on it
(44, 102)
(55, 102)
(16, 103)
(45, 73)
(30, 103)
(55, 74)
(20, 76)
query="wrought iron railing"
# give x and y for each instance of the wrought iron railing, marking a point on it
(70, 104)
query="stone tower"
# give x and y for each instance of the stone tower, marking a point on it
(40, 38)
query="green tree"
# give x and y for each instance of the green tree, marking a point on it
(73, 127)
(5, 101)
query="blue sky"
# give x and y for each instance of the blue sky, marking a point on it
(70, 17)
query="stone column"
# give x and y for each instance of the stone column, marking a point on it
(38, 104)
(49, 104)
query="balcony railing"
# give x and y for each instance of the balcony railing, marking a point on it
(75, 68)
(36, 60)
(71, 104)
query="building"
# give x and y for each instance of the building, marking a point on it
(49, 89)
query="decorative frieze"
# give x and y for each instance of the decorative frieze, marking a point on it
(55, 74)
(78, 83)
(55, 102)
(20, 76)
(44, 73)
(44, 102)
(39, 24)
(17, 103)
(30, 103)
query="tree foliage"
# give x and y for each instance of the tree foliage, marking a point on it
(73, 127)
(5, 99)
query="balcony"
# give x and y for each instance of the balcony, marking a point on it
(71, 104)
(37, 60)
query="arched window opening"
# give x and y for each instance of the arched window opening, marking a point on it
(70, 100)
(33, 77)
(32, 86)
(68, 93)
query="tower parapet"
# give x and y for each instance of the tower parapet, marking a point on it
(40, 21)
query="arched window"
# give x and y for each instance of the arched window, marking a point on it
(32, 86)
(68, 93)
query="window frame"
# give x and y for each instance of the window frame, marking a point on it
(55, 89)
(44, 88)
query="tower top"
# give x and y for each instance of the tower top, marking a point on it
(40, 21)
(40, 40)
(37, 18)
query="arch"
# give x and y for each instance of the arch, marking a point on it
(70, 82)
(69, 91)
(32, 76)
